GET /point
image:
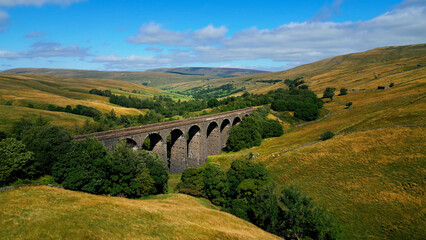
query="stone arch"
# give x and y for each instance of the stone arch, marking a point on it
(155, 143)
(176, 151)
(213, 139)
(236, 121)
(194, 146)
(224, 131)
(130, 143)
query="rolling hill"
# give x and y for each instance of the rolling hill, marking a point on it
(49, 213)
(208, 71)
(371, 175)
(19, 91)
(357, 71)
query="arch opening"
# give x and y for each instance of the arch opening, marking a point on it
(213, 139)
(194, 146)
(224, 132)
(176, 151)
(236, 121)
(130, 143)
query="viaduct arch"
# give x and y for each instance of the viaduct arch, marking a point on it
(181, 143)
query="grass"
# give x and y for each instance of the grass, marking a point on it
(48, 213)
(369, 176)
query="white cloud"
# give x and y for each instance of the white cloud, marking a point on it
(11, 3)
(152, 33)
(46, 50)
(210, 32)
(290, 44)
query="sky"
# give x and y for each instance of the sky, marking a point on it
(135, 35)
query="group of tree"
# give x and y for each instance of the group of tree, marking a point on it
(247, 191)
(35, 149)
(253, 129)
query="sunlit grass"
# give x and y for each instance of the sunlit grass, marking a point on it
(47, 213)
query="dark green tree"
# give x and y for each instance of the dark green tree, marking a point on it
(156, 168)
(215, 185)
(343, 91)
(84, 167)
(329, 93)
(49, 144)
(192, 182)
(15, 161)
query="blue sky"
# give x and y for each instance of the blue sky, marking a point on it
(138, 35)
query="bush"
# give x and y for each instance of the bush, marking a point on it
(191, 182)
(215, 187)
(271, 128)
(244, 135)
(49, 144)
(328, 93)
(391, 85)
(326, 135)
(343, 91)
(15, 161)
(156, 168)
(307, 111)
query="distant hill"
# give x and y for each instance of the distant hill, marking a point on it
(209, 71)
(152, 79)
(19, 91)
(161, 77)
(353, 71)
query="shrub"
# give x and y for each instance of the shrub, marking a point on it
(328, 93)
(391, 85)
(343, 91)
(215, 186)
(191, 182)
(49, 144)
(307, 111)
(244, 135)
(348, 105)
(326, 135)
(156, 168)
(271, 128)
(15, 161)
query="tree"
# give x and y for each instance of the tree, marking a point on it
(245, 135)
(15, 161)
(84, 167)
(156, 168)
(267, 209)
(307, 111)
(326, 135)
(343, 91)
(49, 144)
(215, 185)
(213, 103)
(348, 105)
(244, 169)
(127, 175)
(192, 182)
(329, 93)
(391, 85)
(271, 128)
(300, 219)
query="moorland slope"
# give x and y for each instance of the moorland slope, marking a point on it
(50, 213)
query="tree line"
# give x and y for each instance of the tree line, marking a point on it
(35, 149)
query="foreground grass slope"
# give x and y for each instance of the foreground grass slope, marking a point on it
(18, 91)
(371, 175)
(47, 213)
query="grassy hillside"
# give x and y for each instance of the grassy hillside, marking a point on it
(19, 91)
(152, 79)
(354, 71)
(48, 213)
(209, 71)
(371, 175)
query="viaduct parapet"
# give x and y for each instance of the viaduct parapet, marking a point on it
(181, 143)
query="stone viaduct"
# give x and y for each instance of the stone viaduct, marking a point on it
(181, 143)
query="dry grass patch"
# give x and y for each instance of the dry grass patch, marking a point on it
(46, 213)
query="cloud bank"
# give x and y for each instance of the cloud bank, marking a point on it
(296, 42)
(47, 50)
